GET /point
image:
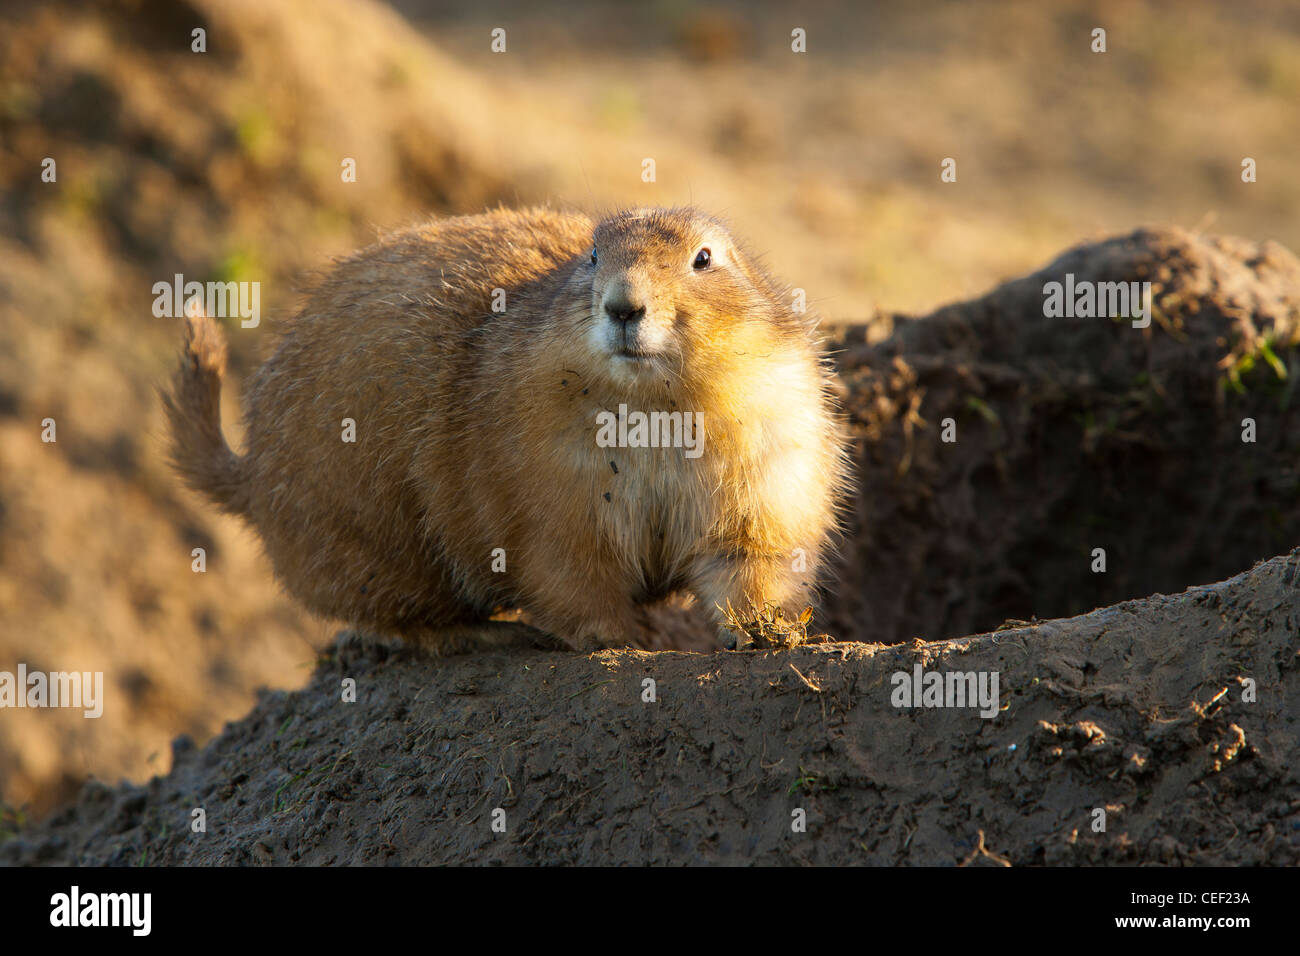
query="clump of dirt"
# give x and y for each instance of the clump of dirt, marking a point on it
(1164, 720)
(1070, 435)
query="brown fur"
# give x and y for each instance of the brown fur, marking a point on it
(477, 430)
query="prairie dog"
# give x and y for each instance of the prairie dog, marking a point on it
(481, 475)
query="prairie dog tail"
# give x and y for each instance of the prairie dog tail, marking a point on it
(198, 448)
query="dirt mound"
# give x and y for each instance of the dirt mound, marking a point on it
(1073, 434)
(1165, 715)
(1138, 710)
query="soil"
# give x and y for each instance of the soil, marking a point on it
(1167, 716)
(1071, 435)
(1135, 709)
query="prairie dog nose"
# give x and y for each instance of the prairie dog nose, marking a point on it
(623, 303)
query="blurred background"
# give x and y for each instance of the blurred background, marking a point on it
(225, 165)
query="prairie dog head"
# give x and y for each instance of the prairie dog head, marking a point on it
(673, 298)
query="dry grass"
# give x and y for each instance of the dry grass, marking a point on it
(767, 626)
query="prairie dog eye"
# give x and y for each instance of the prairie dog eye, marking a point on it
(703, 259)
(593, 255)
